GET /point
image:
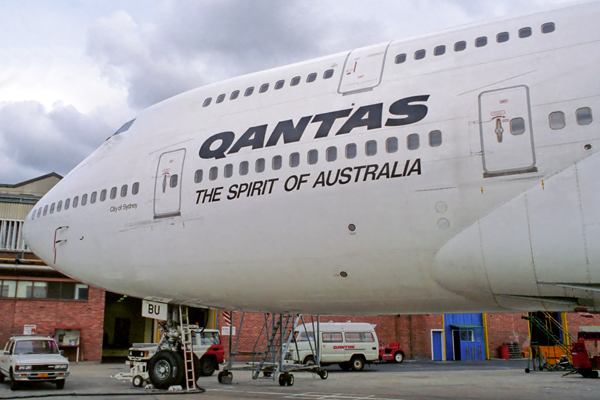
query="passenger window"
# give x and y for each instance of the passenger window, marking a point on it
(557, 120)
(67, 204)
(435, 138)
(52, 208)
(548, 28)
(584, 116)
(351, 151)
(371, 148)
(331, 154)
(75, 202)
(525, 33)
(103, 195)
(517, 126)
(84, 200)
(391, 145)
(249, 91)
(93, 197)
(328, 74)
(420, 54)
(481, 41)
(502, 37)
(313, 157)
(400, 58)
(135, 188)
(244, 167)
(294, 160)
(311, 78)
(228, 173)
(45, 210)
(59, 206)
(359, 337)
(173, 184)
(412, 141)
(295, 81)
(113, 193)
(439, 51)
(234, 95)
(277, 163)
(173, 181)
(39, 214)
(220, 98)
(213, 173)
(198, 176)
(207, 102)
(260, 165)
(279, 84)
(263, 88)
(460, 46)
(332, 337)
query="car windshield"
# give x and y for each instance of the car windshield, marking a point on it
(35, 347)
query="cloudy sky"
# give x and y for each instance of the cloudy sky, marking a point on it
(72, 72)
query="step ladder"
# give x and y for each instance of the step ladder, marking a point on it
(274, 338)
(188, 348)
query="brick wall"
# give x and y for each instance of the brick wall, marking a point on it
(415, 342)
(506, 328)
(49, 315)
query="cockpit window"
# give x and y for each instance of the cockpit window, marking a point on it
(125, 127)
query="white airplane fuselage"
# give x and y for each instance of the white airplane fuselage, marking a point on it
(496, 208)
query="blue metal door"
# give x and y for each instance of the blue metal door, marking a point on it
(436, 343)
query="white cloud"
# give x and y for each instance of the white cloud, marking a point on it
(71, 73)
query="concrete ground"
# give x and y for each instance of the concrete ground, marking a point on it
(495, 379)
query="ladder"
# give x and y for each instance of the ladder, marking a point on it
(188, 348)
(272, 342)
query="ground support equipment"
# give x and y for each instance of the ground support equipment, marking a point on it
(536, 360)
(268, 357)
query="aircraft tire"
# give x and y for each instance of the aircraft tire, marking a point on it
(165, 369)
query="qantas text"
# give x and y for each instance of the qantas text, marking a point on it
(371, 116)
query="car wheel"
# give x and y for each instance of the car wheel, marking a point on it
(60, 384)
(309, 360)
(345, 366)
(282, 380)
(14, 385)
(207, 367)
(399, 357)
(165, 369)
(324, 374)
(357, 363)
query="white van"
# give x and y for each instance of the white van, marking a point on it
(349, 344)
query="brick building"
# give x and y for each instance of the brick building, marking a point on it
(34, 294)
(416, 334)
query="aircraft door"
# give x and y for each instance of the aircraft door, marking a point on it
(167, 186)
(363, 69)
(506, 132)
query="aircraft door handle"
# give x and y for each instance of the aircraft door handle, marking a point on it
(499, 130)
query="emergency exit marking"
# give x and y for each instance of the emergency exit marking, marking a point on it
(154, 310)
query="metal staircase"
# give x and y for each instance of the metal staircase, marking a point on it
(273, 339)
(188, 349)
(545, 326)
